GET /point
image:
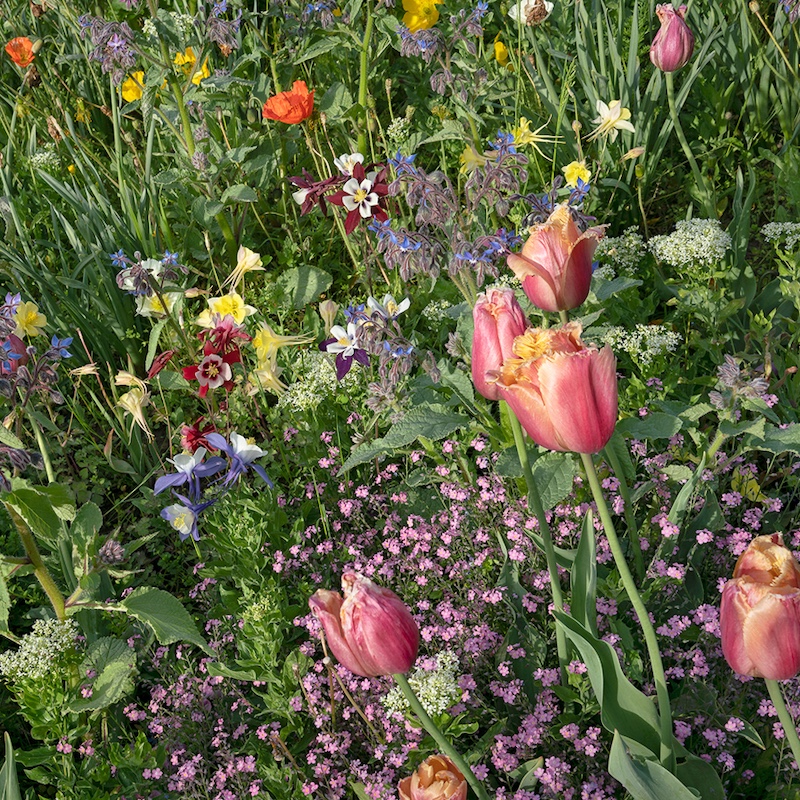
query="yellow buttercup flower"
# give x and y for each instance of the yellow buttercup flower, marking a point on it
(29, 321)
(187, 61)
(420, 14)
(576, 171)
(133, 86)
(500, 52)
(231, 304)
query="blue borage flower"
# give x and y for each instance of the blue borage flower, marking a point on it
(403, 165)
(58, 347)
(8, 354)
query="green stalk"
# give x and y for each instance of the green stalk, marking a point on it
(706, 193)
(535, 503)
(789, 727)
(440, 739)
(630, 517)
(39, 569)
(363, 79)
(667, 754)
(714, 446)
(40, 443)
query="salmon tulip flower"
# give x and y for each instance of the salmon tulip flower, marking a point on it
(760, 612)
(436, 778)
(674, 43)
(563, 392)
(370, 631)
(499, 319)
(555, 265)
(290, 107)
(22, 51)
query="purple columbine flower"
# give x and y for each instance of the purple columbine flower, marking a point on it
(242, 455)
(343, 343)
(183, 516)
(190, 470)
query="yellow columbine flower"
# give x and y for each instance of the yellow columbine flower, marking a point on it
(500, 52)
(125, 378)
(576, 171)
(267, 342)
(524, 136)
(420, 14)
(231, 304)
(187, 60)
(470, 160)
(611, 119)
(133, 86)
(267, 376)
(133, 402)
(246, 261)
(29, 321)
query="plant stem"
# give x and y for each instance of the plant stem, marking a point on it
(535, 503)
(789, 727)
(702, 184)
(40, 443)
(630, 517)
(39, 568)
(714, 446)
(363, 80)
(431, 727)
(667, 754)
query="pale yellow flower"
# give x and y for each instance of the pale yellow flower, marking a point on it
(471, 159)
(127, 379)
(267, 342)
(231, 304)
(133, 403)
(576, 171)
(524, 136)
(634, 152)
(266, 376)
(611, 119)
(328, 310)
(500, 52)
(187, 61)
(133, 87)
(153, 307)
(29, 321)
(246, 261)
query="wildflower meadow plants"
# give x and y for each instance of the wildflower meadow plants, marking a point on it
(399, 400)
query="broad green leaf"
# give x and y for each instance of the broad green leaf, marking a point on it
(303, 285)
(152, 343)
(583, 578)
(165, 614)
(9, 785)
(321, 47)
(623, 707)
(7, 438)
(700, 776)
(115, 665)
(644, 778)
(216, 669)
(775, 440)
(608, 288)
(553, 474)
(336, 100)
(85, 526)
(34, 510)
(239, 193)
(654, 426)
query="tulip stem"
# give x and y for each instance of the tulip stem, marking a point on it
(363, 80)
(789, 727)
(440, 739)
(667, 754)
(535, 503)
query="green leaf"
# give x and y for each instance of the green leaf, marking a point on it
(687, 492)
(152, 343)
(654, 426)
(701, 777)
(36, 512)
(583, 578)
(431, 421)
(775, 440)
(7, 438)
(553, 474)
(204, 210)
(9, 785)
(608, 288)
(644, 778)
(303, 285)
(165, 614)
(216, 669)
(336, 101)
(623, 707)
(619, 446)
(172, 380)
(330, 42)
(239, 193)
(85, 526)
(115, 664)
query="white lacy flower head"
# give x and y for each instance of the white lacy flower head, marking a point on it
(788, 232)
(695, 243)
(643, 343)
(531, 12)
(437, 688)
(624, 253)
(345, 163)
(38, 652)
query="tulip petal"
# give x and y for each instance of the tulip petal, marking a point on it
(326, 606)
(771, 635)
(526, 402)
(733, 611)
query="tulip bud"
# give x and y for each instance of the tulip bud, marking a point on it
(371, 631)
(760, 612)
(674, 43)
(499, 319)
(555, 265)
(328, 311)
(436, 778)
(563, 392)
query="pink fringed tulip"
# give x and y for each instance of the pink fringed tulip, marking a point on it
(555, 265)
(371, 631)
(563, 392)
(674, 43)
(499, 319)
(760, 612)
(436, 778)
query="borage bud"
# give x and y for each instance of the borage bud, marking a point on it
(674, 43)
(370, 631)
(436, 778)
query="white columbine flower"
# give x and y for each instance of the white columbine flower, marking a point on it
(345, 163)
(345, 340)
(186, 462)
(360, 196)
(245, 450)
(612, 119)
(389, 308)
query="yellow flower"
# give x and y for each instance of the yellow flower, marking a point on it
(246, 261)
(576, 171)
(153, 307)
(230, 304)
(524, 136)
(500, 52)
(132, 87)
(470, 160)
(187, 61)
(420, 14)
(133, 402)
(267, 376)
(267, 342)
(611, 119)
(29, 321)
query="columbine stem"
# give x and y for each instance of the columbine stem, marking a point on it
(667, 754)
(363, 81)
(789, 727)
(440, 739)
(535, 503)
(702, 184)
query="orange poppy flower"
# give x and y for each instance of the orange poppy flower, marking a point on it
(20, 51)
(290, 107)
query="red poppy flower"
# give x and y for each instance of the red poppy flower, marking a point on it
(20, 51)
(290, 107)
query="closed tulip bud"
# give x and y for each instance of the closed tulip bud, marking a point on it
(759, 614)
(499, 319)
(563, 392)
(674, 43)
(436, 778)
(370, 631)
(555, 265)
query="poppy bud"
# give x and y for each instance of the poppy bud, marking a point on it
(674, 43)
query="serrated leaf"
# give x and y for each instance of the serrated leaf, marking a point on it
(35, 512)
(553, 474)
(115, 664)
(776, 440)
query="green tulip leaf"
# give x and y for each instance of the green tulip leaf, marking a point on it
(583, 578)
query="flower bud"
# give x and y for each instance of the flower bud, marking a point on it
(760, 612)
(436, 778)
(499, 319)
(370, 631)
(674, 43)
(328, 311)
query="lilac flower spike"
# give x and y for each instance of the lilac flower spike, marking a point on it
(242, 455)
(189, 470)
